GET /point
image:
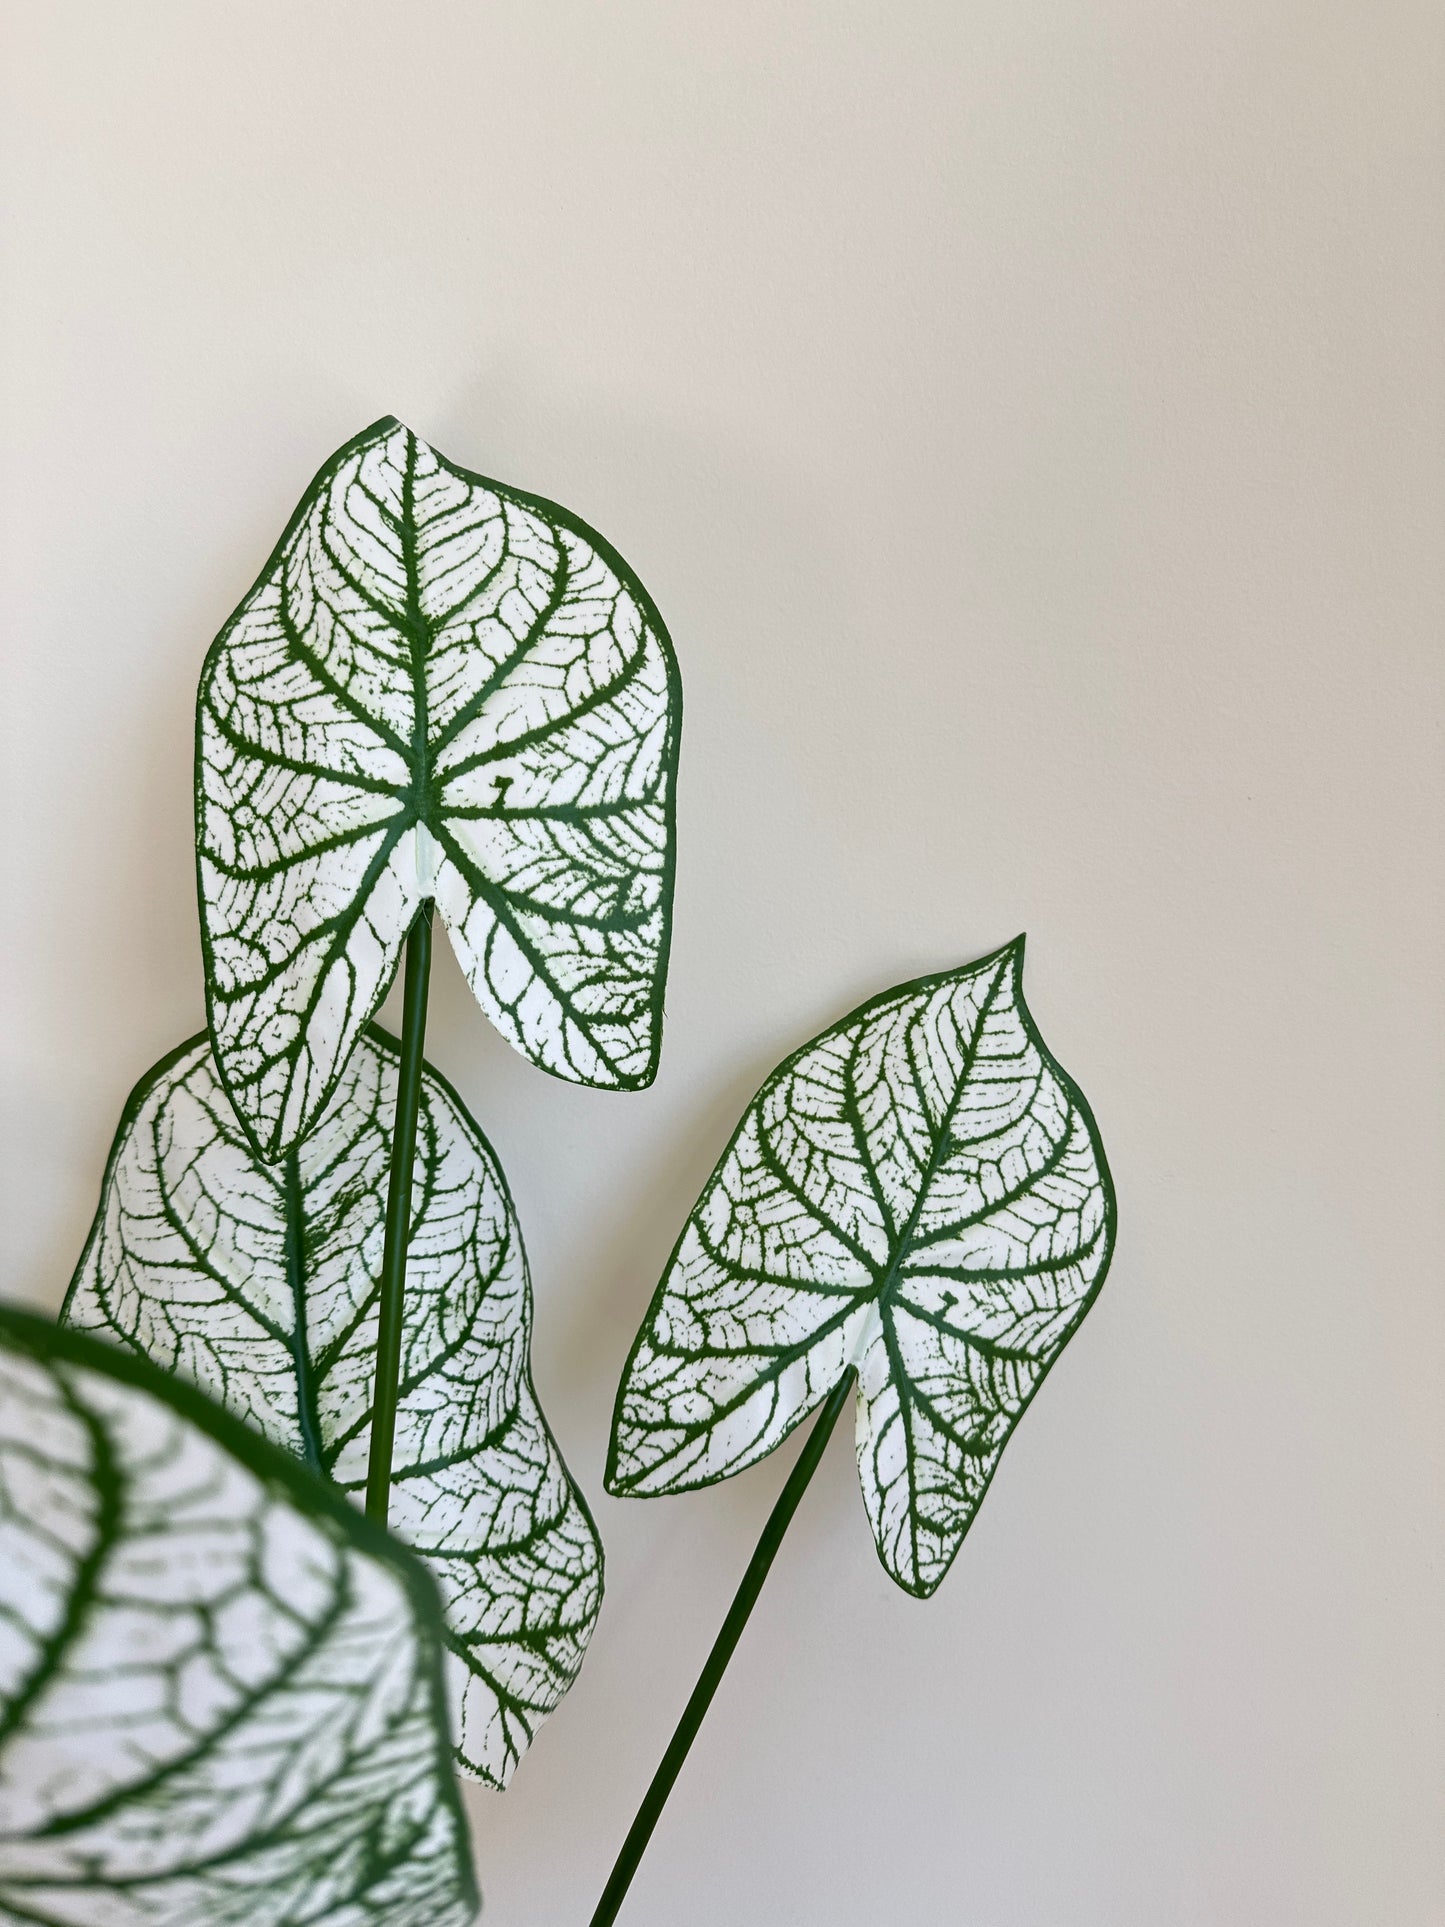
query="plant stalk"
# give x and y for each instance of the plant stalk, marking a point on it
(779, 1519)
(398, 1217)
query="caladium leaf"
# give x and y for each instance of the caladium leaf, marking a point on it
(919, 1193)
(260, 1283)
(437, 687)
(220, 1685)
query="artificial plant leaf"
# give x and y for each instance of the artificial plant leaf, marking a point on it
(260, 1283)
(220, 1685)
(919, 1193)
(442, 687)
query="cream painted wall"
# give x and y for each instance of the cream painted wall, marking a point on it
(1029, 419)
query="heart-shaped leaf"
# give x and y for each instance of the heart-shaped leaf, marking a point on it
(220, 1685)
(921, 1193)
(442, 687)
(261, 1284)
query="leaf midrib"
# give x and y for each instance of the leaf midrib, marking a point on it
(419, 640)
(902, 1382)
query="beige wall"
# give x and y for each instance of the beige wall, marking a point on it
(1028, 415)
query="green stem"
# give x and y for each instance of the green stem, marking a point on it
(398, 1217)
(635, 1845)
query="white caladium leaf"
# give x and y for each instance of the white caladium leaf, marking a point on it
(920, 1194)
(220, 1685)
(437, 687)
(260, 1283)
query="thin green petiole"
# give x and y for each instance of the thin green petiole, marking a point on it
(398, 1217)
(640, 1832)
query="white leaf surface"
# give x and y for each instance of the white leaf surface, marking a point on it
(220, 1686)
(438, 686)
(260, 1283)
(919, 1193)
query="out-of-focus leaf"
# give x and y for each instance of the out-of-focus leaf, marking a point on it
(220, 1686)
